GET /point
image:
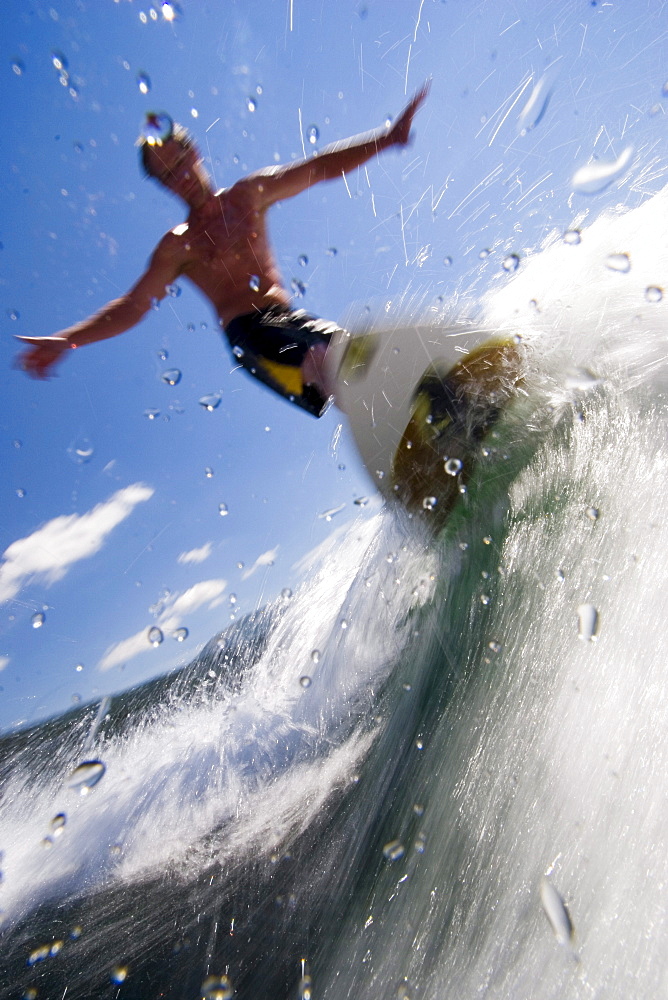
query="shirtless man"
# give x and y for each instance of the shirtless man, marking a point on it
(223, 248)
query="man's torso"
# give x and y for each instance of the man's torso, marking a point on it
(226, 254)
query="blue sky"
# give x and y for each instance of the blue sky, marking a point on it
(110, 523)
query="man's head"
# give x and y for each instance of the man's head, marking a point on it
(173, 159)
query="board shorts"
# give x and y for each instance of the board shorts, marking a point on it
(272, 345)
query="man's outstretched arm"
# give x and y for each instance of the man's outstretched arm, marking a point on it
(116, 317)
(275, 183)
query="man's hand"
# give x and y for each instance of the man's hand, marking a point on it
(45, 353)
(400, 130)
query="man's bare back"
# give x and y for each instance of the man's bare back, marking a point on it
(223, 248)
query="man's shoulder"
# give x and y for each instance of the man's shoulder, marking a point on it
(173, 242)
(171, 253)
(251, 188)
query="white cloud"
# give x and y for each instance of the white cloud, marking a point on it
(4, 660)
(196, 555)
(190, 600)
(49, 552)
(266, 559)
(125, 650)
(179, 605)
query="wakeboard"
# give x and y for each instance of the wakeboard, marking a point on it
(420, 401)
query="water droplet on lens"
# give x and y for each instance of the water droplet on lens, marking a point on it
(286, 593)
(447, 261)
(596, 176)
(208, 473)
(20, 492)
(331, 251)
(315, 656)
(298, 287)
(222, 509)
(618, 262)
(180, 634)
(210, 402)
(119, 974)
(572, 237)
(485, 599)
(429, 503)
(58, 824)
(534, 109)
(487, 540)
(556, 912)
(59, 60)
(81, 451)
(143, 82)
(217, 988)
(302, 260)
(394, 850)
(495, 647)
(305, 988)
(305, 681)
(251, 104)
(13, 314)
(312, 134)
(151, 414)
(361, 501)
(452, 466)
(592, 513)
(155, 635)
(233, 598)
(171, 377)
(174, 291)
(55, 947)
(653, 293)
(171, 11)
(254, 283)
(484, 254)
(38, 955)
(86, 776)
(327, 515)
(511, 263)
(38, 619)
(18, 67)
(587, 622)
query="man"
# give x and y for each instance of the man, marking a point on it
(223, 248)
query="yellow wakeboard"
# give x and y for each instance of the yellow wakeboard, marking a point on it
(420, 400)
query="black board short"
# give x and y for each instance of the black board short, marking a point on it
(272, 345)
